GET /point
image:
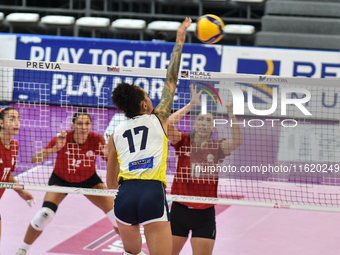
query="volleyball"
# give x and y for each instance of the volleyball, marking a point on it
(209, 28)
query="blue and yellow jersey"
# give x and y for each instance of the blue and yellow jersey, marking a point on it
(142, 148)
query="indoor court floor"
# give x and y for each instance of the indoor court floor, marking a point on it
(81, 228)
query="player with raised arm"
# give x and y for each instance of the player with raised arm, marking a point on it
(195, 153)
(137, 160)
(77, 152)
(9, 147)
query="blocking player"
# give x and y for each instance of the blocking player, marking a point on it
(195, 153)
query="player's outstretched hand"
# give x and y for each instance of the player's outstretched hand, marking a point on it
(61, 140)
(195, 97)
(181, 32)
(230, 107)
(104, 149)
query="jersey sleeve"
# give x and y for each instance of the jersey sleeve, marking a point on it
(51, 143)
(16, 150)
(184, 141)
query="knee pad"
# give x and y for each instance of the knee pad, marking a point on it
(44, 216)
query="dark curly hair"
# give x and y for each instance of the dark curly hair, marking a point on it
(127, 98)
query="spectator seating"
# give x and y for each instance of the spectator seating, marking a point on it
(122, 17)
(301, 24)
(58, 22)
(129, 26)
(239, 31)
(22, 19)
(92, 24)
(163, 30)
(248, 5)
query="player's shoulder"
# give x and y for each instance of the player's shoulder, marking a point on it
(185, 138)
(122, 125)
(69, 133)
(14, 142)
(184, 141)
(93, 135)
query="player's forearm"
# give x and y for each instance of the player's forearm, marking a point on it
(11, 178)
(173, 68)
(235, 131)
(112, 177)
(178, 115)
(43, 155)
(113, 169)
(164, 107)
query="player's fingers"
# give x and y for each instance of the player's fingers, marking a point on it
(63, 133)
(29, 202)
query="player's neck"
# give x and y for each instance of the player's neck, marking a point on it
(5, 140)
(147, 111)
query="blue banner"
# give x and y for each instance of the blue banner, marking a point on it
(94, 89)
(112, 52)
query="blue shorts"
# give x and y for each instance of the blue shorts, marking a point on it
(141, 202)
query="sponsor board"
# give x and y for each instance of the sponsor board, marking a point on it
(281, 62)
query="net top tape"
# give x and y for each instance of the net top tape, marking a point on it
(161, 73)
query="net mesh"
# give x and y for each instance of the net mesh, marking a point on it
(287, 158)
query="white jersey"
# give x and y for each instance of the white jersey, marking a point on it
(142, 148)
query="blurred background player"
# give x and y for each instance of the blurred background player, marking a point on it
(195, 152)
(140, 146)
(9, 126)
(77, 152)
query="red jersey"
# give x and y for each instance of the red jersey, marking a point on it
(8, 159)
(76, 162)
(196, 172)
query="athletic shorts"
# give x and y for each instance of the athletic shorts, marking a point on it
(89, 183)
(201, 222)
(141, 202)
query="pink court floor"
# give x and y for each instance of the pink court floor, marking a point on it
(81, 228)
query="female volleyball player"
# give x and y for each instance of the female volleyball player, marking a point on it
(195, 153)
(77, 152)
(140, 146)
(9, 126)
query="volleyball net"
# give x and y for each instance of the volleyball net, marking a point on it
(290, 151)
